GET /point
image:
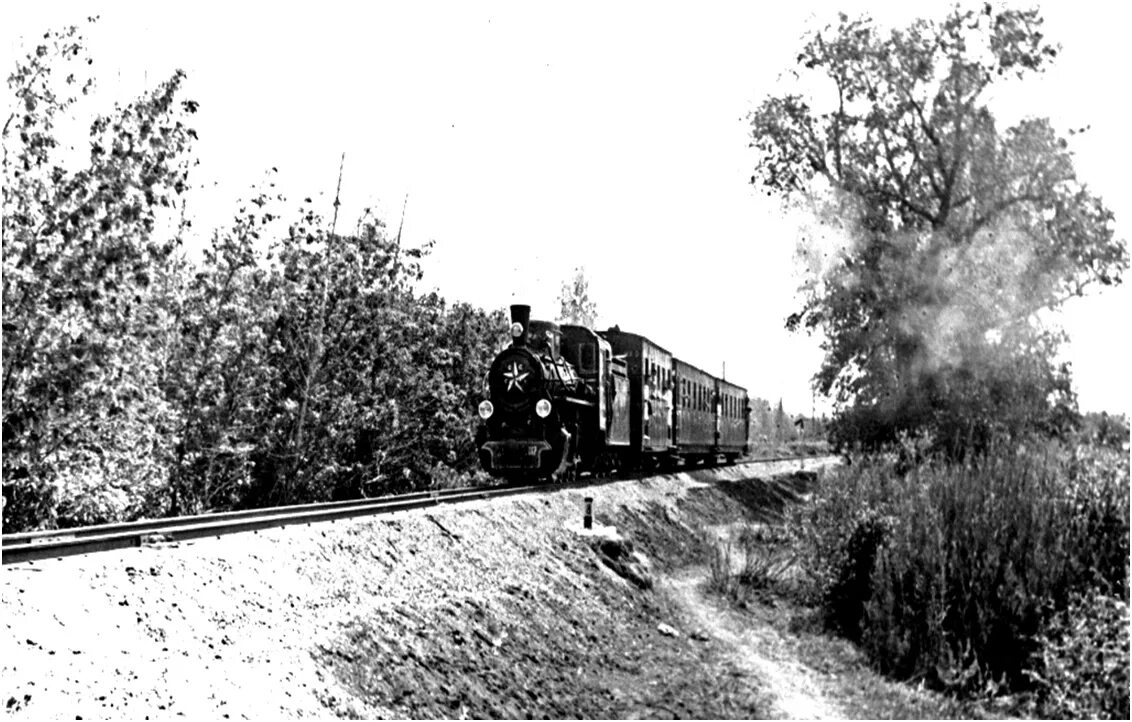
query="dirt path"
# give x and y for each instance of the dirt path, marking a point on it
(759, 649)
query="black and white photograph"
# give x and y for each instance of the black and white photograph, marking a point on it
(593, 360)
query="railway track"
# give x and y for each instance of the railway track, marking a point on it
(32, 546)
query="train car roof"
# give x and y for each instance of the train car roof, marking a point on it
(636, 336)
(578, 327)
(691, 366)
(734, 385)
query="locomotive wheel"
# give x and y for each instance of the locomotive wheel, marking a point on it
(566, 476)
(605, 465)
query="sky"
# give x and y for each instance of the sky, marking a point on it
(525, 140)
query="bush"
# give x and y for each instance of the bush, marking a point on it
(753, 561)
(1083, 660)
(1104, 430)
(808, 448)
(850, 498)
(950, 573)
(845, 598)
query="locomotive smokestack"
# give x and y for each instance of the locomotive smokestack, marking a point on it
(520, 319)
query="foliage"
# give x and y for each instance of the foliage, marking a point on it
(218, 377)
(339, 351)
(334, 379)
(752, 561)
(576, 306)
(843, 508)
(772, 429)
(1083, 658)
(950, 573)
(281, 367)
(1103, 429)
(852, 586)
(88, 276)
(939, 236)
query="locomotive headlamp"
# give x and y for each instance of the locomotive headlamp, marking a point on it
(516, 330)
(542, 408)
(486, 409)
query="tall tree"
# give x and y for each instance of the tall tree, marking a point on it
(950, 235)
(575, 304)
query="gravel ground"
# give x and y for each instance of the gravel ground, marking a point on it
(490, 609)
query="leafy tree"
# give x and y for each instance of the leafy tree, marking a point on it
(575, 303)
(951, 235)
(218, 377)
(471, 337)
(313, 371)
(280, 368)
(327, 305)
(761, 432)
(781, 422)
(368, 385)
(88, 273)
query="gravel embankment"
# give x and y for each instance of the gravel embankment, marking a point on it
(488, 609)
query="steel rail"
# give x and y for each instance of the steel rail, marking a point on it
(32, 546)
(155, 524)
(95, 539)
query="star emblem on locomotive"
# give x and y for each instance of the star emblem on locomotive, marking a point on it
(514, 377)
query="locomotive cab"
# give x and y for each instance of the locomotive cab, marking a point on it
(545, 338)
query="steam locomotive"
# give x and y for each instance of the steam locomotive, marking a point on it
(565, 399)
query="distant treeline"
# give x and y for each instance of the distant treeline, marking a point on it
(772, 426)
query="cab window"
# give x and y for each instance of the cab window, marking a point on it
(586, 358)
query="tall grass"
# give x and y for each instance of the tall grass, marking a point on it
(957, 574)
(750, 561)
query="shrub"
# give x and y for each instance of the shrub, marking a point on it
(1082, 664)
(852, 497)
(851, 589)
(950, 573)
(750, 562)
